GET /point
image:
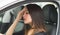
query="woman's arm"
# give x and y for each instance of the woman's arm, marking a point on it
(12, 27)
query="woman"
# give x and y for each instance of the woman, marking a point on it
(34, 17)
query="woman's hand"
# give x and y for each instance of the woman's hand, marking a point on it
(20, 14)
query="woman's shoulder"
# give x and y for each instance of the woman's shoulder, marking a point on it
(41, 33)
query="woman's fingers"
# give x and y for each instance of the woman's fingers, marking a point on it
(24, 10)
(20, 14)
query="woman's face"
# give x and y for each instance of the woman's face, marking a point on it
(27, 18)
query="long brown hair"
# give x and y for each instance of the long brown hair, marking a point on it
(37, 16)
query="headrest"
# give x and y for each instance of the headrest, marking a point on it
(50, 13)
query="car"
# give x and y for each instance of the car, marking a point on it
(9, 12)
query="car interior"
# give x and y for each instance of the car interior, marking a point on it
(50, 17)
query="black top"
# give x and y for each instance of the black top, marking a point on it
(41, 33)
(22, 33)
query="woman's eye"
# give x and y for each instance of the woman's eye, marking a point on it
(26, 13)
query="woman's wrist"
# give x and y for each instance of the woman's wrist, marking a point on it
(17, 20)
